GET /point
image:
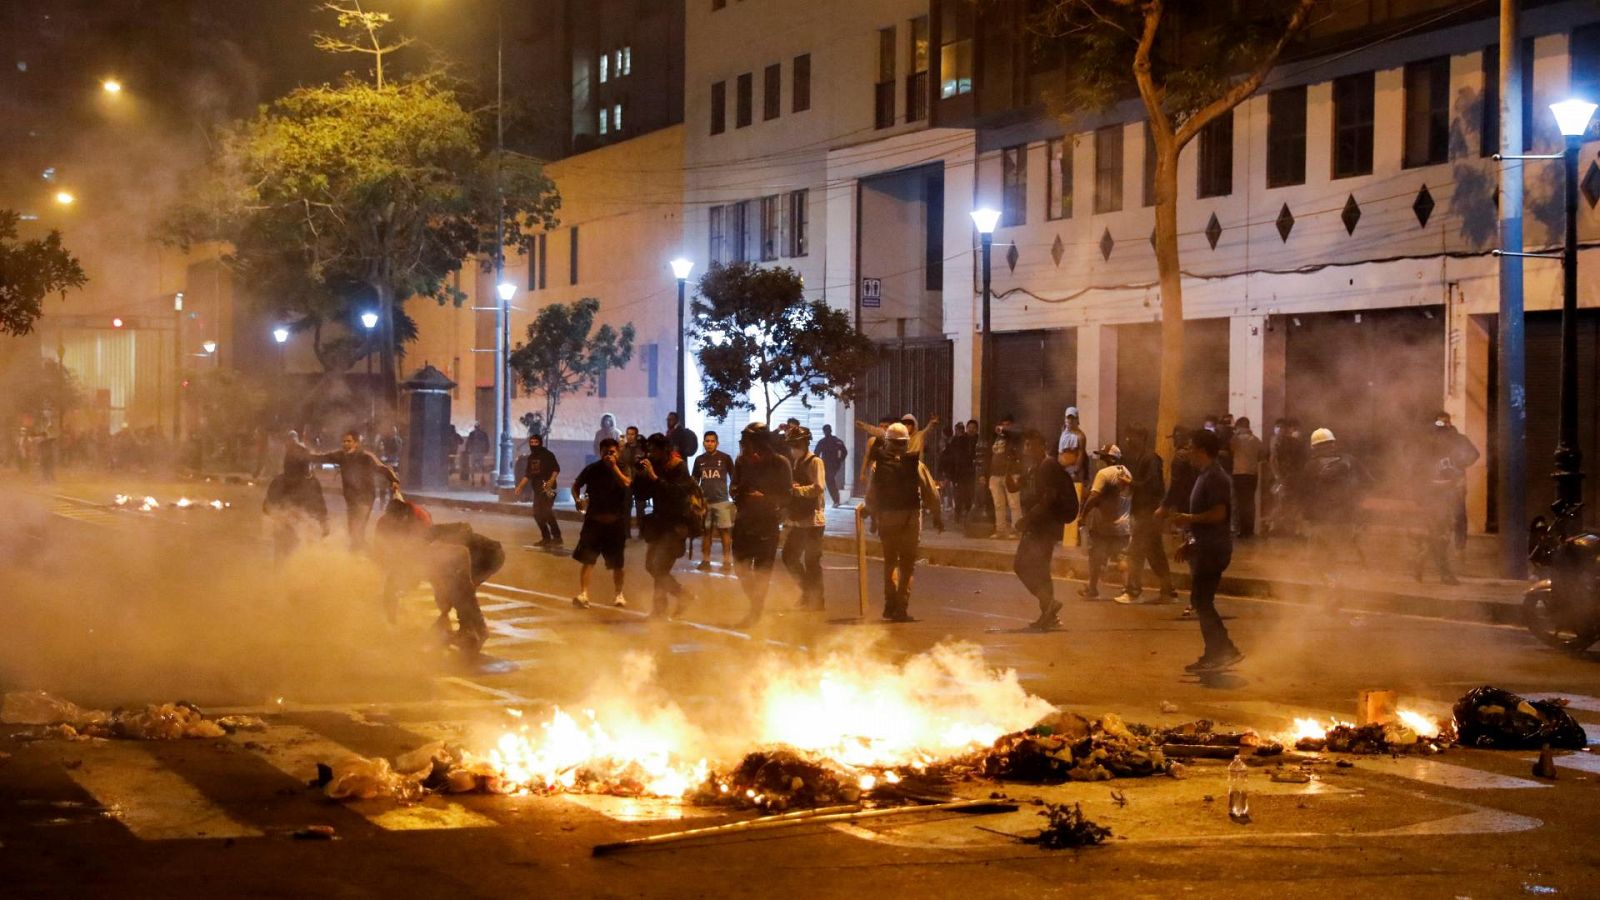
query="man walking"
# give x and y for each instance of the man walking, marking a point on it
(601, 492)
(1105, 515)
(833, 453)
(629, 454)
(1246, 474)
(1049, 502)
(1004, 465)
(713, 471)
(359, 473)
(804, 519)
(761, 485)
(900, 490)
(1145, 545)
(1210, 549)
(539, 471)
(664, 480)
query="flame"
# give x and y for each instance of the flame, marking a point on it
(183, 503)
(1312, 729)
(149, 504)
(567, 748)
(1424, 726)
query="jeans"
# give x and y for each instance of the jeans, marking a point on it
(1145, 547)
(1007, 504)
(900, 530)
(544, 514)
(357, 512)
(964, 489)
(1032, 565)
(659, 556)
(1102, 549)
(1205, 573)
(835, 480)
(1244, 504)
(802, 556)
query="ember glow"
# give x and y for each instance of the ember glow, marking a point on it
(151, 504)
(1423, 725)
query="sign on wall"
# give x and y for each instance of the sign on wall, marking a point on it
(872, 292)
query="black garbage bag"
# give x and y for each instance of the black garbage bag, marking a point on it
(1500, 720)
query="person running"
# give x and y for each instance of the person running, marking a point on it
(601, 492)
(664, 480)
(1105, 515)
(713, 471)
(359, 473)
(1209, 550)
(805, 518)
(294, 501)
(833, 453)
(899, 491)
(761, 484)
(539, 471)
(1049, 502)
(1145, 545)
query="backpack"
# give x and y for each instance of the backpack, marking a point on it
(698, 510)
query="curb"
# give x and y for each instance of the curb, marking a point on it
(1481, 610)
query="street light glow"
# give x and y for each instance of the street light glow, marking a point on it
(1572, 116)
(681, 268)
(506, 290)
(280, 334)
(369, 320)
(985, 219)
(208, 346)
(65, 198)
(111, 86)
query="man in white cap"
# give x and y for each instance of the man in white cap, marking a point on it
(900, 489)
(1106, 515)
(1074, 441)
(1331, 486)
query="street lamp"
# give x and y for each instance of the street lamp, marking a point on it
(680, 270)
(210, 347)
(65, 198)
(111, 86)
(985, 219)
(1572, 117)
(369, 321)
(504, 480)
(280, 334)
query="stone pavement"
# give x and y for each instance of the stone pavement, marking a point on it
(1380, 577)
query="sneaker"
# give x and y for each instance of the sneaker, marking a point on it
(1199, 665)
(1188, 613)
(1225, 660)
(1126, 599)
(581, 601)
(1044, 623)
(704, 566)
(619, 601)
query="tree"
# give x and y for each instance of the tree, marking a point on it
(29, 271)
(38, 389)
(756, 330)
(1189, 65)
(561, 357)
(343, 199)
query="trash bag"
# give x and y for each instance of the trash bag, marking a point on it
(1500, 720)
(167, 722)
(360, 778)
(40, 708)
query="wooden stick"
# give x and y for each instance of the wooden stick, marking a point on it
(806, 817)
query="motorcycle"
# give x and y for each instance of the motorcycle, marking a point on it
(1562, 609)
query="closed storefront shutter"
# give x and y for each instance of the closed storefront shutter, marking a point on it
(1205, 374)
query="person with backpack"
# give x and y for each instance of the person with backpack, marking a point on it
(762, 484)
(1049, 502)
(900, 489)
(452, 558)
(664, 480)
(805, 518)
(1105, 515)
(539, 471)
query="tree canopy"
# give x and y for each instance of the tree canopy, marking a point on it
(562, 356)
(757, 331)
(29, 272)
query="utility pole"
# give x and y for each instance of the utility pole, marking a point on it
(1512, 412)
(504, 463)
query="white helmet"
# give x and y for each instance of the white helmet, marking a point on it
(1321, 436)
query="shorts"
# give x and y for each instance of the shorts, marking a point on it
(755, 545)
(602, 539)
(719, 515)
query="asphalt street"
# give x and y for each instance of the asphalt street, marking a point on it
(114, 607)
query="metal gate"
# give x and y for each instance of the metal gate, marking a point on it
(911, 376)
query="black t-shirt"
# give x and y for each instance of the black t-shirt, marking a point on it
(607, 495)
(1049, 500)
(539, 465)
(773, 478)
(1212, 488)
(714, 472)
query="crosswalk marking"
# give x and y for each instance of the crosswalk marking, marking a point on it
(1462, 778)
(149, 799)
(1574, 701)
(1582, 762)
(295, 751)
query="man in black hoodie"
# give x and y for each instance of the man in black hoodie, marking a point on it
(664, 480)
(294, 501)
(539, 471)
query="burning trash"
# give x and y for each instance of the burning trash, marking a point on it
(151, 504)
(1067, 747)
(1500, 720)
(1407, 732)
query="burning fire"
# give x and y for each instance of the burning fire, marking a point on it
(1424, 726)
(150, 504)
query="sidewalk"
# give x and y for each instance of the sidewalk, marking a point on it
(1277, 570)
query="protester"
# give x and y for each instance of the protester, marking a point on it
(874, 445)
(601, 493)
(761, 485)
(1209, 550)
(476, 462)
(899, 491)
(1073, 439)
(958, 468)
(713, 471)
(1105, 515)
(681, 437)
(390, 446)
(452, 558)
(665, 481)
(832, 451)
(607, 430)
(1180, 488)
(1448, 443)
(804, 519)
(1436, 500)
(629, 454)
(450, 450)
(1288, 456)
(1225, 430)
(1330, 501)
(1246, 450)
(294, 501)
(1004, 466)
(359, 473)
(538, 477)
(1145, 544)
(1049, 502)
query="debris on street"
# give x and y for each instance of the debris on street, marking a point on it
(315, 833)
(779, 779)
(1500, 720)
(1067, 827)
(1067, 747)
(163, 722)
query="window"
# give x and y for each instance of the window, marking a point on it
(917, 82)
(955, 48)
(1489, 110)
(796, 216)
(933, 234)
(605, 67)
(883, 94)
(573, 262)
(1108, 169)
(750, 230)
(771, 221)
(1148, 172)
(1058, 179)
(544, 257)
(735, 246)
(1014, 186)
(715, 252)
(1215, 178)
(719, 107)
(616, 117)
(771, 89)
(1352, 125)
(1583, 50)
(1427, 115)
(742, 110)
(1286, 137)
(802, 83)
(652, 368)
(625, 61)
(533, 264)
(605, 120)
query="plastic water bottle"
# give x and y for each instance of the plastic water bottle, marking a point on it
(1238, 795)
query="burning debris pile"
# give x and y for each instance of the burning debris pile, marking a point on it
(1407, 732)
(151, 504)
(779, 779)
(1067, 747)
(163, 722)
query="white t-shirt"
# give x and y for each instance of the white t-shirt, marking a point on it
(1111, 513)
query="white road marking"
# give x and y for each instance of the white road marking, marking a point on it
(1431, 771)
(295, 751)
(501, 695)
(1574, 701)
(1582, 762)
(149, 799)
(511, 634)
(640, 614)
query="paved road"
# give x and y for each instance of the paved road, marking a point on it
(114, 607)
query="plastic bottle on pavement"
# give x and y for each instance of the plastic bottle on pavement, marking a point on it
(1238, 795)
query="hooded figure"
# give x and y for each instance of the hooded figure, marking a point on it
(294, 501)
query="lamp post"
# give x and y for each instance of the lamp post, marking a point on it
(1572, 117)
(281, 336)
(680, 270)
(369, 321)
(985, 220)
(504, 462)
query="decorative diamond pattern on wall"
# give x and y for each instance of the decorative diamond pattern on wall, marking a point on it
(1213, 231)
(1351, 214)
(1590, 185)
(1106, 243)
(1057, 250)
(1011, 257)
(1285, 223)
(1423, 206)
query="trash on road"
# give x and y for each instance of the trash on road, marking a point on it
(1498, 719)
(315, 833)
(71, 722)
(1067, 827)
(360, 778)
(40, 708)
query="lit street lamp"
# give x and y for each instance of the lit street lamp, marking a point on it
(369, 321)
(111, 86)
(280, 334)
(985, 220)
(503, 476)
(210, 347)
(680, 270)
(65, 198)
(1572, 117)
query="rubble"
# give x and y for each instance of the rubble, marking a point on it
(1066, 747)
(70, 722)
(1498, 719)
(1067, 827)
(779, 779)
